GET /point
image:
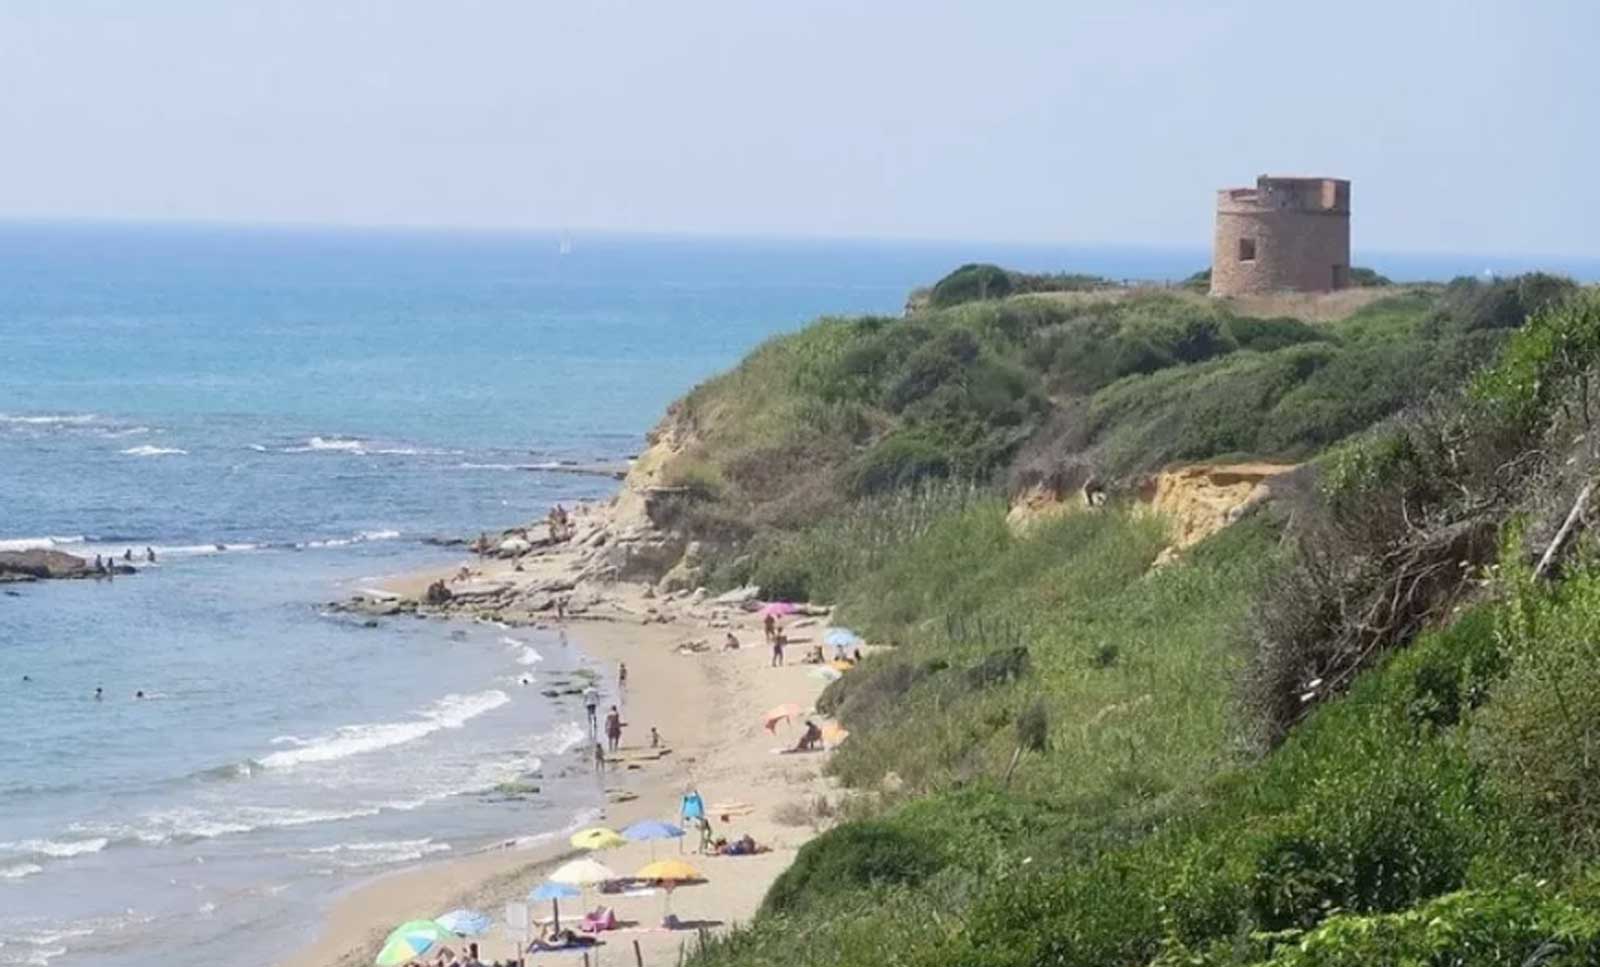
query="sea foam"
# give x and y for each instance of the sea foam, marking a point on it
(146, 450)
(58, 849)
(450, 712)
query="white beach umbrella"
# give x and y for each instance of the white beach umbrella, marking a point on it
(583, 872)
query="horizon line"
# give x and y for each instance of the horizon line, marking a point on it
(530, 231)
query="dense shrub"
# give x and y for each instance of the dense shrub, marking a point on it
(897, 462)
(855, 856)
(971, 282)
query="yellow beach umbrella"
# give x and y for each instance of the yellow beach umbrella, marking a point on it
(669, 871)
(598, 837)
(670, 874)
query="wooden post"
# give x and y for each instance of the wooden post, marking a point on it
(638, 955)
(555, 906)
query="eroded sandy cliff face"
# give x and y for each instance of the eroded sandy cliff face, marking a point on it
(1202, 499)
(1198, 500)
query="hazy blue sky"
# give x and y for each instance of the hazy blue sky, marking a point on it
(1466, 126)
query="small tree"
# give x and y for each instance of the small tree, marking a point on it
(1033, 734)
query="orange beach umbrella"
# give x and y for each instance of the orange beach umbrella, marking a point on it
(784, 712)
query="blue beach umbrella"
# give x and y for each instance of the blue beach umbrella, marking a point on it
(842, 638)
(650, 830)
(555, 893)
(464, 923)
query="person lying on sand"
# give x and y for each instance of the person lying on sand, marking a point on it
(745, 845)
(562, 939)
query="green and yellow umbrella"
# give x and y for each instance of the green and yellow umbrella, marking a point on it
(409, 941)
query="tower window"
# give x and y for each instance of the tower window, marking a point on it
(1247, 250)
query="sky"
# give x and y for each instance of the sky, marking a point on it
(1465, 126)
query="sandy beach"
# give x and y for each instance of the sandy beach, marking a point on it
(707, 704)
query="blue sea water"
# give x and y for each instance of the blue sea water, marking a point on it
(284, 415)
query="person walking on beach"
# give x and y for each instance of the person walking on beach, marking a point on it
(599, 758)
(778, 641)
(770, 625)
(613, 728)
(622, 676)
(591, 701)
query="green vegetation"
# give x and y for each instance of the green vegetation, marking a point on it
(978, 281)
(1357, 727)
(1020, 388)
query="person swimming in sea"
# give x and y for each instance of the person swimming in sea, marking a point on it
(149, 555)
(139, 694)
(127, 554)
(99, 693)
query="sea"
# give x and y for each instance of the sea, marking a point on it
(282, 416)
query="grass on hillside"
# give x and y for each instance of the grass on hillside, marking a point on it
(1442, 810)
(1124, 383)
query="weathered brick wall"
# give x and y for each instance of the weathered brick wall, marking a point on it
(1301, 237)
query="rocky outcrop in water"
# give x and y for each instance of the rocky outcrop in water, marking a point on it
(42, 564)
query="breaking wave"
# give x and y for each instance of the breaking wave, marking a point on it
(450, 712)
(146, 450)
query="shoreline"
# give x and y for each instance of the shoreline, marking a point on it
(707, 705)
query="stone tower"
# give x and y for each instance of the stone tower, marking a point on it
(1285, 234)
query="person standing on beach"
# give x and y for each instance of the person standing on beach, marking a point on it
(591, 701)
(770, 625)
(778, 641)
(622, 676)
(613, 728)
(599, 758)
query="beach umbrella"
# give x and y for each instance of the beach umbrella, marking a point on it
(842, 638)
(650, 830)
(833, 733)
(582, 873)
(555, 893)
(409, 941)
(782, 713)
(827, 673)
(464, 923)
(597, 837)
(670, 874)
(840, 665)
(776, 609)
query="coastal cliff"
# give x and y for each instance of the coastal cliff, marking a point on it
(1221, 639)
